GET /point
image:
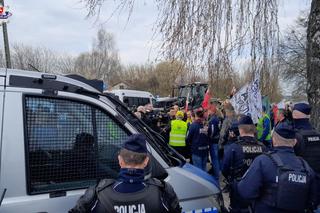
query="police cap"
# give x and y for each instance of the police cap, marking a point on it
(303, 107)
(245, 120)
(136, 143)
(285, 130)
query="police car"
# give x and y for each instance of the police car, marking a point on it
(47, 161)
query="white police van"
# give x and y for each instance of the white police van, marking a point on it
(47, 160)
(134, 98)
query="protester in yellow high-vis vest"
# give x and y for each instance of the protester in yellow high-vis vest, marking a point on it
(264, 128)
(178, 134)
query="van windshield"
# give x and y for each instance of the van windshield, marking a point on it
(155, 140)
(135, 101)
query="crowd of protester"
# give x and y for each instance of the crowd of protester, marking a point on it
(223, 143)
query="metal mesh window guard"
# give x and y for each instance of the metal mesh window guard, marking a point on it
(70, 144)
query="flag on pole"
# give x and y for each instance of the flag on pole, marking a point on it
(206, 99)
(248, 100)
(187, 102)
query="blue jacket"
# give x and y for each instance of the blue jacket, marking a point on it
(213, 129)
(262, 173)
(197, 139)
(303, 124)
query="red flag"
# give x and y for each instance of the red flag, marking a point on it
(206, 100)
(275, 113)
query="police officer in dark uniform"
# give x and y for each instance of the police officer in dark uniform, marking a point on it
(308, 139)
(238, 156)
(279, 181)
(233, 133)
(130, 192)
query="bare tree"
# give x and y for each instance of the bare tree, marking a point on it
(66, 63)
(168, 74)
(102, 62)
(313, 62)
(292, 55)
(29, 58)
(207, 35)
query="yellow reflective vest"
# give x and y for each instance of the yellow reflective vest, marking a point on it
(178, 133)
(260, 128)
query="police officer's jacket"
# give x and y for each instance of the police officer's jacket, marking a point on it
(239, 155)
(308, 143)
(129, 193)
(261, 178)
(308, 146)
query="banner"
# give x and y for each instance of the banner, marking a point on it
(255, 99)
(247, 100)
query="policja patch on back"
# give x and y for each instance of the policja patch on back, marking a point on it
(291, 185)
(252, 149)
(136, 208)
(297, 178)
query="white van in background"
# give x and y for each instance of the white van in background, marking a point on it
(134, 98)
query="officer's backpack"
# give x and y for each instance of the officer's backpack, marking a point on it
(88, 200)
(311, 151)
(291, 190)
(250, 150)
(157, 196)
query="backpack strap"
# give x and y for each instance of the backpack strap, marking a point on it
(168, 196)
(104, 184)
(155, 182)
(274, 157)
(304, 165)
(270, 189)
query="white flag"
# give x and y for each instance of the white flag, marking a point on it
(248, 101)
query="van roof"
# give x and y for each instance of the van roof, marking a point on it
(27, 79)
(166, 99)
(138, 93)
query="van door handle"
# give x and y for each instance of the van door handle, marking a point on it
(57, 194)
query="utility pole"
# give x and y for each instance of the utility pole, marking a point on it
(6, 41)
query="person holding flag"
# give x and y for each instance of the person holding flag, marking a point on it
(214, 135)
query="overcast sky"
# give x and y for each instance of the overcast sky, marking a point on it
(61, 25)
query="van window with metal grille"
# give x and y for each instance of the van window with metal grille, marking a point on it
(69, 144)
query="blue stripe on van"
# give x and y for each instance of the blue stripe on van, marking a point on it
(200, 173)
(206, 210)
